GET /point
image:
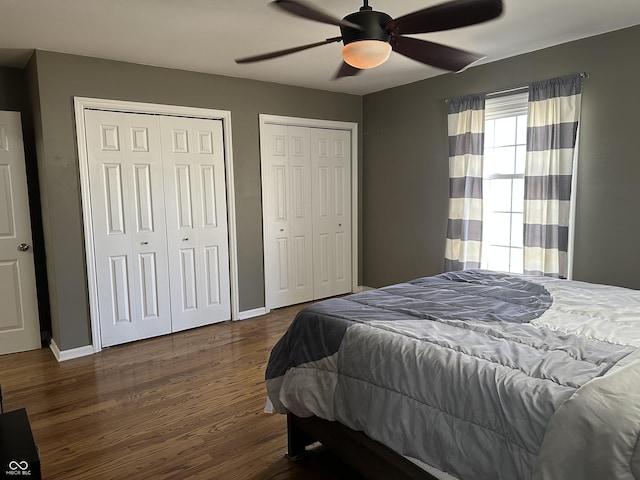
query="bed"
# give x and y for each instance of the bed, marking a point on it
(468, 375)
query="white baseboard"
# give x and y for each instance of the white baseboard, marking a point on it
(63, 355)
(256, 312)
(363, 288)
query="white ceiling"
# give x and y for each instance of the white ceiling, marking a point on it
(207, 35)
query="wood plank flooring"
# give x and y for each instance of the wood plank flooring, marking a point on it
(183, 406)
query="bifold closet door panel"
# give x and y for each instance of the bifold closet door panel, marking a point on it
(331, 190)
(288, 223)
(196, 217)
(127, 209)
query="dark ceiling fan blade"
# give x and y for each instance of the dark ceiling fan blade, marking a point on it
(434, 54)
(280, 53)
(445, 16)
(346, 70)
(303, 10)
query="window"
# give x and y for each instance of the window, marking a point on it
(503, 182)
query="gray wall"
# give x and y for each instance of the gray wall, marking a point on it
(405, 175)
(57, 78)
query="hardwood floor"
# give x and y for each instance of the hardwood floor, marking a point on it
(183, 406)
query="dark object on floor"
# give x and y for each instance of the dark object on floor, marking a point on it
(19, 456)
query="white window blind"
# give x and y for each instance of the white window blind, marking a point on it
(503, 182)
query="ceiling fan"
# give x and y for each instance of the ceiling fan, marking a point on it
(370, 36)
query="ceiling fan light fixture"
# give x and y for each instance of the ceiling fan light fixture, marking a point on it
(364, 54)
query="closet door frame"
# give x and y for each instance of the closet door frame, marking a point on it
(351, 127)
(81, 104)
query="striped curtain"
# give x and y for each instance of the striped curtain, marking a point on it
(553, 116)
(466, 147)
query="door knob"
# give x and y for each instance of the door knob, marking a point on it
(23, 247)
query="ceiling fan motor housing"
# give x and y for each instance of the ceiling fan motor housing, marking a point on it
(372, 23)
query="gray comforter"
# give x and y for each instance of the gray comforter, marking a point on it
(450, 370)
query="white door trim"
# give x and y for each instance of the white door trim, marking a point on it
(352, 127)
(81, 104)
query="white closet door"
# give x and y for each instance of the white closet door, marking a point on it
(288, 226)
(19, 325)
(127, 208)
(331, 188)
(196, 213)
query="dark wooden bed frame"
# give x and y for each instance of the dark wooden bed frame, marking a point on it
(369, 457)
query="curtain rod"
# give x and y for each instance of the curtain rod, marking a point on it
(521, 88)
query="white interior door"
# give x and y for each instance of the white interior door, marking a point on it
(288, 226)
(197, 237)
(127, 208)
(331, 190)
(19, 324)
